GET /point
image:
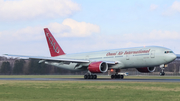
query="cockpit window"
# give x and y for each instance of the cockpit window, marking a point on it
(168, 52)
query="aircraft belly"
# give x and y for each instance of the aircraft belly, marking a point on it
(70, 66)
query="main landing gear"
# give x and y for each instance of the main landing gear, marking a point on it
(89, 75)
(117, 76)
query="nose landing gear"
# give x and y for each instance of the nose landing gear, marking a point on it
(162, 68)
(162, 73)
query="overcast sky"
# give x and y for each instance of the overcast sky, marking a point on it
(88, 25)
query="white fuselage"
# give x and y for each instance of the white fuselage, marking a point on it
(126, 58)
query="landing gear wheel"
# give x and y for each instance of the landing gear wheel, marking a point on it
(85, 76)
(121, 76)
(88, 76)
(161, 73)
(91, 76)
(112, 76)
(94, 76)
(118, 76)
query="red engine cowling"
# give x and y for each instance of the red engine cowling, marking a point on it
(146, 69)
(98, 67)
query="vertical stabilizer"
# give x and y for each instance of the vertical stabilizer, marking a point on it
(54, 47)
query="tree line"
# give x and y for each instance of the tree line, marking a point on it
(14, 66)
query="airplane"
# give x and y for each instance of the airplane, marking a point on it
(144, 59)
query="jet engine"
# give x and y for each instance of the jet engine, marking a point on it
(98, 67)
(146, 69)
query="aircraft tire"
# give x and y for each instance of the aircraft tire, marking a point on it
(85, 77)
(88, 76)
(91, 76)
(121, 76)
(118, 76)
(161, 73)
(95, 76)
(112, 76)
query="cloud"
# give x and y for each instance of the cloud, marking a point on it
(176, 6)
(68, 28)
(72, 28)
(31, 40)
(29, 9)
(154, 35)
(173, 9)
(25, 34)
(80, 29)
(153, 7)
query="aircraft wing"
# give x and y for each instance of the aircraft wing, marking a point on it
(57, 59)
(50, 58)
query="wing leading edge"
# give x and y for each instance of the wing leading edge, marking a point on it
(51, 58)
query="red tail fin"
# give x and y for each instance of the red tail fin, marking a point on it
(54, 47)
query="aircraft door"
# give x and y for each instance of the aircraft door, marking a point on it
(127, 57)
(152, 54)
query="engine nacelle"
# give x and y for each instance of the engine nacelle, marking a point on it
(146, 69)
(98, 67)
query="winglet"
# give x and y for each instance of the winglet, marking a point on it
(54, 47)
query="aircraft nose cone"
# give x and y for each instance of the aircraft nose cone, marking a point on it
(172, 57)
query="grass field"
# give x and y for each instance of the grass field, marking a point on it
(87, 90)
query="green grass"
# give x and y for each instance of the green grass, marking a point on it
(88, 90)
